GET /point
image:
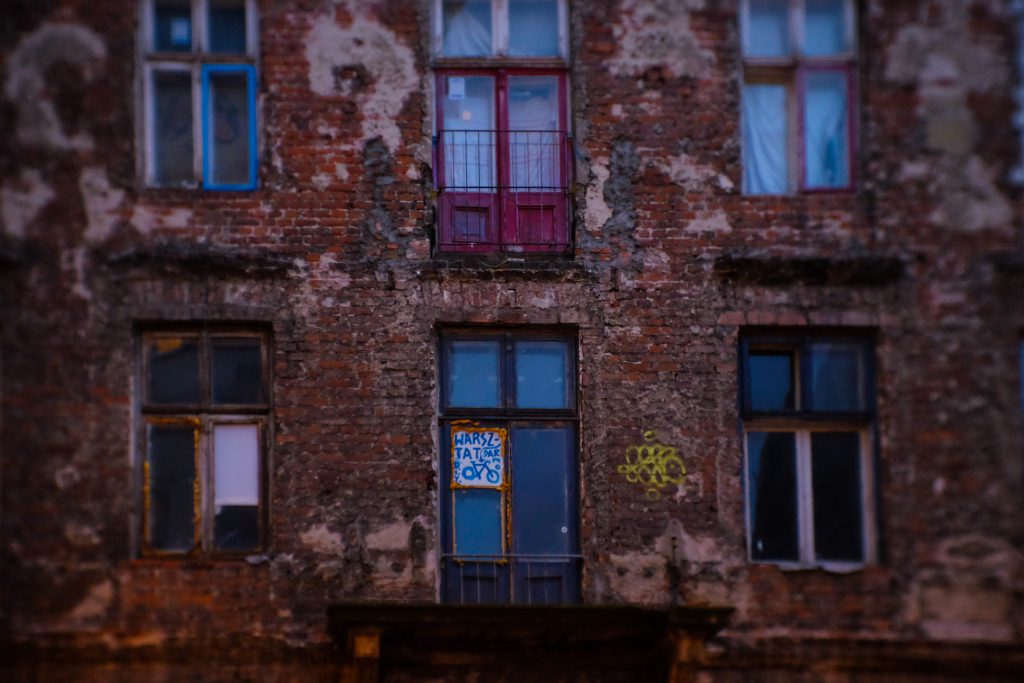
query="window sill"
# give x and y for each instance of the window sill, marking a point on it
(827, 567)
(499, 62)
(562, 266)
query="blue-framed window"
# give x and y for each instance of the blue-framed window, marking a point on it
(808, 414)
(508, 434)
(199, 93)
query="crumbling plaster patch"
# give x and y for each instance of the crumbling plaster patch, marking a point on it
(639, 578)
(940, 56)
(389, 537)
(657, 34)
(322, 540)
(102, 203)
(687, 173)
(96, 602)
(38, 122)
(596, 211)
(21, 201)
(146, 219)
(381, 55)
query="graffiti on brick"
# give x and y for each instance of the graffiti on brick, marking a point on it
(478, 457)
(653, 465)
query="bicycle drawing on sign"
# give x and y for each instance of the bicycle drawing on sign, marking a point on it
(478, 457)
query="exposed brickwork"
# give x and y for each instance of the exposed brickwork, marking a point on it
(334, 253)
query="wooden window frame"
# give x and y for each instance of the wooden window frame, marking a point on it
(198, 63)
(506, 416)
(500, 34)
(203, 418)
(791, 72)
(803, 423)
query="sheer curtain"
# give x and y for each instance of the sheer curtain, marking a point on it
(825, 130)
(764, 139)
(467, 28)
(533, 140)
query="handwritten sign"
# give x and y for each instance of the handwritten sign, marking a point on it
(478, 457)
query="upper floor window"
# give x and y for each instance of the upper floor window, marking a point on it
(508, 434)
(799, 89)
(204, 419)
(493, 28)
(502, 150)
(808, 407)
(199, 93)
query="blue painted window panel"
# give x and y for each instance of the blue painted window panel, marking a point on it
(172, 128)
(767, 32)
(227, 26)
(172, 475)
(473, 375)
(533, 28)
(542, 368)
(545, 490)
(172, 23)
(772, 495)
(173, 376)
(835, 483)
(825, 31)
(478, 524)
(837, 378)
(229, 127)
(771, 381)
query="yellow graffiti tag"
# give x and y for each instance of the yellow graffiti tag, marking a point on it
(654, 465)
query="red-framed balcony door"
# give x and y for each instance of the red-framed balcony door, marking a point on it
(534, 165)
(469, 162)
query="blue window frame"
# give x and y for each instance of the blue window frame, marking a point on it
(808, 420)
(508, 435)
(200, 81)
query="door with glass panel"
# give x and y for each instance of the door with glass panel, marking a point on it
(508, 434)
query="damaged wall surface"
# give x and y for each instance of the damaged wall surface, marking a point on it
(334, 256)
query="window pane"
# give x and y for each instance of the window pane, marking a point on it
(172, 475)
(533, 28)
(542, 368)
(172, 22)
(237, 371)
(236, 465)
(473, 374)
(173, 370)
(227, 26)
(468, 137)
(835, 473)
(765, 131)
(837, 378)
(771, 476)
(534, 144)
(826, 129)
(771, 381)
(825, 28)
(542, 468)
(228, 133)
(172, 122)
(467, 28)
(477, 522)
(768, 29)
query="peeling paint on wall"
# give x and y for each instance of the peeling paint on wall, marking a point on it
(366, 62)
(657, 34)
(38, 122)
(102, 203)
(22, 200)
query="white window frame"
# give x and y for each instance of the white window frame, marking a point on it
(500, 32)
(751, 65)
(805, 495)
(191, 62)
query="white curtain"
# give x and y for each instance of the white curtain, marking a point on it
(467, 33)
(765, 169)
(825, 130)
(534, 139)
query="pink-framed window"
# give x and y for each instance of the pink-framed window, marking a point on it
(502, 160)
(799, 95)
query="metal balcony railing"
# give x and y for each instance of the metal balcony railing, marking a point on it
(519, 579)
(503, 188)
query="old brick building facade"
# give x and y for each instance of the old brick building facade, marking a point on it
(723, 296)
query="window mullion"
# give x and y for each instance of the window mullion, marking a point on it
(805, 504)
(205, 476)
(499, 27)
(867, 496)
(200, 13)
(797, 12)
